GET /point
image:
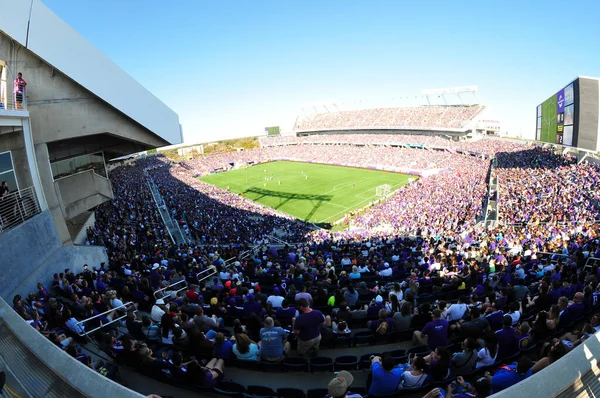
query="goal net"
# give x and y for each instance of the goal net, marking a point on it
(383, 190)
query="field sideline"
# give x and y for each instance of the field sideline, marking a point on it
(312, 192)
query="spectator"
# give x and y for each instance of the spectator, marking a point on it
(487, 355)
(456, 311)
(273, 344)
(434, 334)
(245, 349)
(385, 376)
(403, 319)
(339, 386)
(19, 90)
(510, 375)
(507, 339)
(223, 347)
(463, 362)
(308, 329)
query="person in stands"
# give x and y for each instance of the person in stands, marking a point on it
(308, 329)
(434, 334)
(19, 90)
(385, 376)
(340, 385)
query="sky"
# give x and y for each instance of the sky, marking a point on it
(232, 68)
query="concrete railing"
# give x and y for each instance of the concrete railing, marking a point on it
(574, 375)
(82, 191)
(43, 369)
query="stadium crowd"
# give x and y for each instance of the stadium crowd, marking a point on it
(470, 298)
(482, 146)
(422, 117)
(540, 186)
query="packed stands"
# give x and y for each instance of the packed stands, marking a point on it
(436, 290)
(430, 117)
(540, 186)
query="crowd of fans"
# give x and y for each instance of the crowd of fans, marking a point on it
(470, 298)
(432, 116)
(482, 146)
(537, 185)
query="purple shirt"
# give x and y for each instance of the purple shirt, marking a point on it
(507, 342)
(309, 325)
(437, 332)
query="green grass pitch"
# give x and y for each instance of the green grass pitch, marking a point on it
(312, 192)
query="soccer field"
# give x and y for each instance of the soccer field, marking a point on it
(312, 192)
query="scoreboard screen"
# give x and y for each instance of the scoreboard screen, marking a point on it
(555, 118)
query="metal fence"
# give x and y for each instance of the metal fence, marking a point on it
(17, 207)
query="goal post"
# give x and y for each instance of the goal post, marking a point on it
(383, 190)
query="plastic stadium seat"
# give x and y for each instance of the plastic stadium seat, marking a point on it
(290, 393)
(397, 353)
(346, 362)
(268, 366)
(419, 350)
(365, 337)
(230, 388)
(342, 341)
(316, 393)
(260, 391)
(321, 364)
(251, 365)
(403, 335)
(365, 360)
(295, 364)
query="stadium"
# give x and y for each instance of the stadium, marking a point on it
(383, 252)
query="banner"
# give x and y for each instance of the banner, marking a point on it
(560, 101)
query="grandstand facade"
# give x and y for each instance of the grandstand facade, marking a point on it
(65, 110)
(455, 120)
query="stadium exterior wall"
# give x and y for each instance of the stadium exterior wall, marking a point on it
(61, 46)
(32, 253)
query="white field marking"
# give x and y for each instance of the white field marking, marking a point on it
(357, 205)
(346, 184)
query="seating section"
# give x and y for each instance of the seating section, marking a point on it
(417, 117)
(517, 290)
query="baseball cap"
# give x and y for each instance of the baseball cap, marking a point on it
(339, 385)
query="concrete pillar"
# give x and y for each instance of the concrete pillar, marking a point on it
(32, 161)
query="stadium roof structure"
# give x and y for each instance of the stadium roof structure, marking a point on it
(37, 28)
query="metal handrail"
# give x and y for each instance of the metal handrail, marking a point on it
(587, 262)
(17, 207)
(85, 333)
(176, 291)
(205, 277)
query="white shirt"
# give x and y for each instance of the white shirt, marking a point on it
(72, 325)
(156, 313)
(455, 312)
(484, 358)
(399, 294)
(116, 303)
(515, 317)
(275, 301)
(385, 272)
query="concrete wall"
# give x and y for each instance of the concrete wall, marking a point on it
(588, 104)
(67, 51)
(32, 253)
(83, 191)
